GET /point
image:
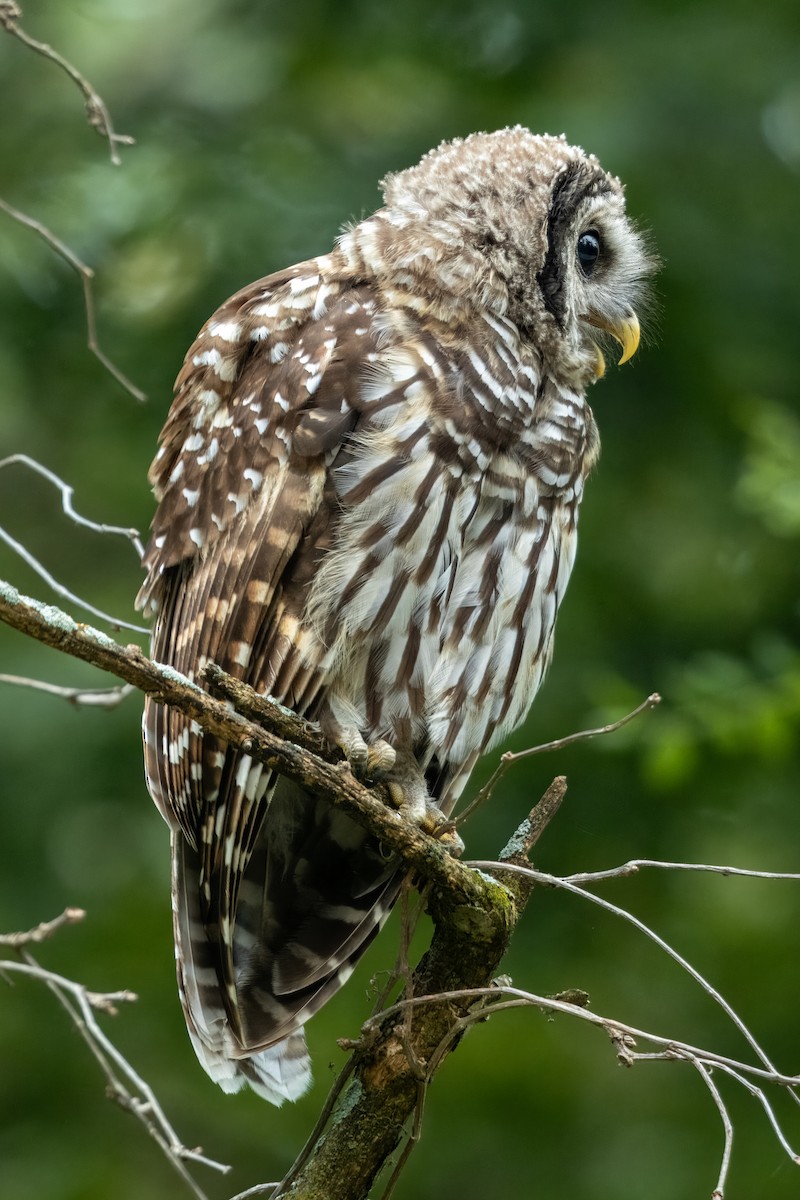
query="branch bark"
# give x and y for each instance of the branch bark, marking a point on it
(397, 1056)
(474, 912)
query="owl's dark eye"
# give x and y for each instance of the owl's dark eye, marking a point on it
(588, 251)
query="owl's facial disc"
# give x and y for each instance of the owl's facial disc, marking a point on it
(593, 270)
(606, 273)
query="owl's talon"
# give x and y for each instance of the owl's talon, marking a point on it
(410, 801)
(353, 747)
(381, 757)
(367, 760)
(437, 825)
(448, 835)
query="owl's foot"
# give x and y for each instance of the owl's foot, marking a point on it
(367, 760)
(408, 791)
(379, 762)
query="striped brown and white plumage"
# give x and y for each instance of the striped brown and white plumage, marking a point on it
(368, 490)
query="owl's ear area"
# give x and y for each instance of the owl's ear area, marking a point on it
(623, 328)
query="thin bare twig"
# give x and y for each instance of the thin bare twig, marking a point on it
(106, 1002)
(70, 916)
(110, 697)
(629, 1057)
(258, 1189)
(510, 757)
(738, 1075)
(636, 864)
(100, 119)
(280, 1188)
(403, 970)
(727, 1126)
(404, 1154)
(86, 275)
(59, 588)
(97, 114)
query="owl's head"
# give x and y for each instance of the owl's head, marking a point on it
(533, 228)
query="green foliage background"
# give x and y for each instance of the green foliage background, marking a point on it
(260, 129)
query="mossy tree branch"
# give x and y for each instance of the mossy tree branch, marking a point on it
(474, 914)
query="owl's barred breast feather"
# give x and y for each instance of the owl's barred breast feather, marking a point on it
(368, 490)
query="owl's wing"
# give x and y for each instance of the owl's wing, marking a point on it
(267, 394)
(261, 406)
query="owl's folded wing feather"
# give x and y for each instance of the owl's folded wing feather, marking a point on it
(266, 396)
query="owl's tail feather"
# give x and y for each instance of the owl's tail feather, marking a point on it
(280, 1072)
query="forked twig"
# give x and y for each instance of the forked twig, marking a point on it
(124, 1085)
(565, 884)
(67, 507)
(749, 1086)
(623, 1038)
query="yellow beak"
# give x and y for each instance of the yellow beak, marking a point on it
(625, 330)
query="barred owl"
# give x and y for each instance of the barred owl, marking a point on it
(368, 489)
